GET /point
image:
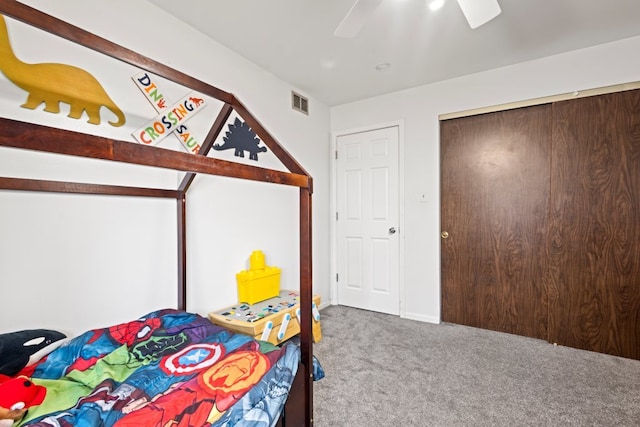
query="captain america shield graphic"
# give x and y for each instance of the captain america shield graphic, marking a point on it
(192, 359)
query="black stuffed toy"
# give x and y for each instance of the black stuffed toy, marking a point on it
(24, 348)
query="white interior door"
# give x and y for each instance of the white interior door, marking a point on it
(367, 220)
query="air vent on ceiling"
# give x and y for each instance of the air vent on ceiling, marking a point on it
(299, 103)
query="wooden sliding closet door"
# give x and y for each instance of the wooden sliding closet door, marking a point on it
(594, 237)
(494, 211)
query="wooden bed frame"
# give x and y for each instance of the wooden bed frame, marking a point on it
(299, 408)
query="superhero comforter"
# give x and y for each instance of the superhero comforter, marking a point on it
(168, 368)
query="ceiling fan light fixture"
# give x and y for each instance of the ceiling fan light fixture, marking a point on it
(479, 12)
(436, 4)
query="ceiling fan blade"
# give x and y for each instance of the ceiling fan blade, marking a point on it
(356, 18)
(479, 12)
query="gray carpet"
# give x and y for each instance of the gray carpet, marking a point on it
(385, 371)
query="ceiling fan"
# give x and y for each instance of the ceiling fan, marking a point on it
(477, 12)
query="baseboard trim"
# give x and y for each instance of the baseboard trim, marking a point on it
(422, 318)
(324, 305)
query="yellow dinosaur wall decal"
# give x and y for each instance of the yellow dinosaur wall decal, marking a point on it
(53, 83)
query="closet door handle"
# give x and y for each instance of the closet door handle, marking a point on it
(392, 230)
(444, 234)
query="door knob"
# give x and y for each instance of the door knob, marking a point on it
(392, 230)
(444, 234)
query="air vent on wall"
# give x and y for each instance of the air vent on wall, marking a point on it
(299, 103)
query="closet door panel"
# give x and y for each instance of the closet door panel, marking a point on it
(494, 207)
(594, 235)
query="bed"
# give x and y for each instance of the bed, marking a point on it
(288, 366)
(169, 367)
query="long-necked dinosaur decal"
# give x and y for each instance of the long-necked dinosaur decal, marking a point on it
(52, 83)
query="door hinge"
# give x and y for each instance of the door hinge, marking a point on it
(336, 154)
(336, 277)
(336, 216)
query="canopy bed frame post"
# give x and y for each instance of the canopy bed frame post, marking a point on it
(215, 130)
(306, 296)
(182, 251)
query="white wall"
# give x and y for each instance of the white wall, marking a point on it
(419, 108)
(72, 262)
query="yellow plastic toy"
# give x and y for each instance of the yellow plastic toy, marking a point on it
(260, 282)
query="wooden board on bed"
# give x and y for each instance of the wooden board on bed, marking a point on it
(252, 319)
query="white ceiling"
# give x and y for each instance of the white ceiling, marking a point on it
(294, 40)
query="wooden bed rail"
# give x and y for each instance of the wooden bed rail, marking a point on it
(53, 140)
(41, 185)
(53, 25)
